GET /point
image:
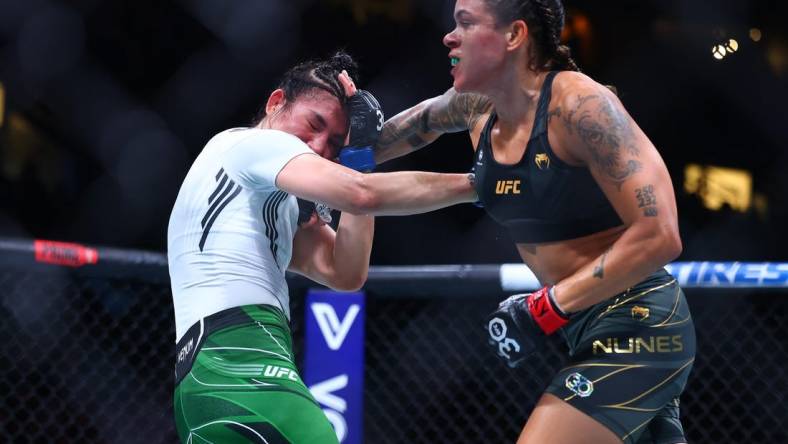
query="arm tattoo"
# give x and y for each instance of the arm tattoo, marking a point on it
(416, 141)
(647, 200)
(607, 134)
(454, 112)
(599, 270)
(473, 107)
(403, 126)
(554, 113)
(449, 113)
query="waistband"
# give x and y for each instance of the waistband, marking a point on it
(659, 277)
(187, 347)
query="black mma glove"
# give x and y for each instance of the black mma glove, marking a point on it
(519, 326)
(366, 123)
(306, 208)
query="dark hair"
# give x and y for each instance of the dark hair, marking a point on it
(545, 20)
(316, 74)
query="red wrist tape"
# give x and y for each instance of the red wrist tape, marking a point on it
(543, 312)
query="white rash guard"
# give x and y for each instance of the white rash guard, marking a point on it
(230, 235)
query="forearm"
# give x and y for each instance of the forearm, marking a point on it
(420, 125)
(352, 247)
(404, 133)
(409, 192)
(634, 256)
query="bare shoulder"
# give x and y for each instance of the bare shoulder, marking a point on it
(592, 128)
(578, 101)
(571, 89)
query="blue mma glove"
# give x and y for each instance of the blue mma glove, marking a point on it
(359, 159)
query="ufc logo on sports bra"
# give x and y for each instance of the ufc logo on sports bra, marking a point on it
(507, 187)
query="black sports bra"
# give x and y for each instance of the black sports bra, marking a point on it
(540, 198)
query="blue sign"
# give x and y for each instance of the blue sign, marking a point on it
(730, 274)
(334, 359)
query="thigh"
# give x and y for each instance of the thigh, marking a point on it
(665, 428)
(252, 414)
(555, 421)
(244, 387)
(632, 359)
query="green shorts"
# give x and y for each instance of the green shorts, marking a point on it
(630, 360)
(236, 382)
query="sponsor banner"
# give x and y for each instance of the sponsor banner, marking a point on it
(334, 359)
(64, 253)
(730, 274)
(518, 277)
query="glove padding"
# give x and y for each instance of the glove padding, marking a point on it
(366, 123)
(519, 326)
(366, 119)
(306, 208)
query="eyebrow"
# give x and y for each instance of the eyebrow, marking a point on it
(337, 139)
(319, 118)
(462, 13)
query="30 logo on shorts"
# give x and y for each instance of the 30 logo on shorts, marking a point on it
(580, 385)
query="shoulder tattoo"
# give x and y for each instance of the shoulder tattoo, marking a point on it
(605, 131)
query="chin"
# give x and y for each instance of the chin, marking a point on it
(464, 87)
(460, 85)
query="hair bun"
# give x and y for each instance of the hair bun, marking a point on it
(342, 60)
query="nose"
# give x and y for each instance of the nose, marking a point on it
(321, 147)
(451, 40)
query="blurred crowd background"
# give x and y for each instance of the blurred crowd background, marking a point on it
(105, 104)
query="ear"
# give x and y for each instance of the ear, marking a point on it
(516, 35)
(275, 101)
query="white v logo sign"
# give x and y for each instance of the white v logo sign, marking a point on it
(324, 392)
(333, 331)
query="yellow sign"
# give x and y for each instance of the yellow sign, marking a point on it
(718, 186)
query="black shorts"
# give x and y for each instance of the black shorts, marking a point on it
(630, 360)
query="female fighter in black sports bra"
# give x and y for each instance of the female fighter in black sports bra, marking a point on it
(589, 202)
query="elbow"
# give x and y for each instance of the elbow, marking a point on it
(658, 242)
(365, 203)
(668, 244)
(363, 199)
(677, 246)
(350, 283)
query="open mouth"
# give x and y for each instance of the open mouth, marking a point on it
(454, 61)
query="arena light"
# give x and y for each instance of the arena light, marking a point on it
(723, 49)
(755, 34)
(719, 52)
(719, 186)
